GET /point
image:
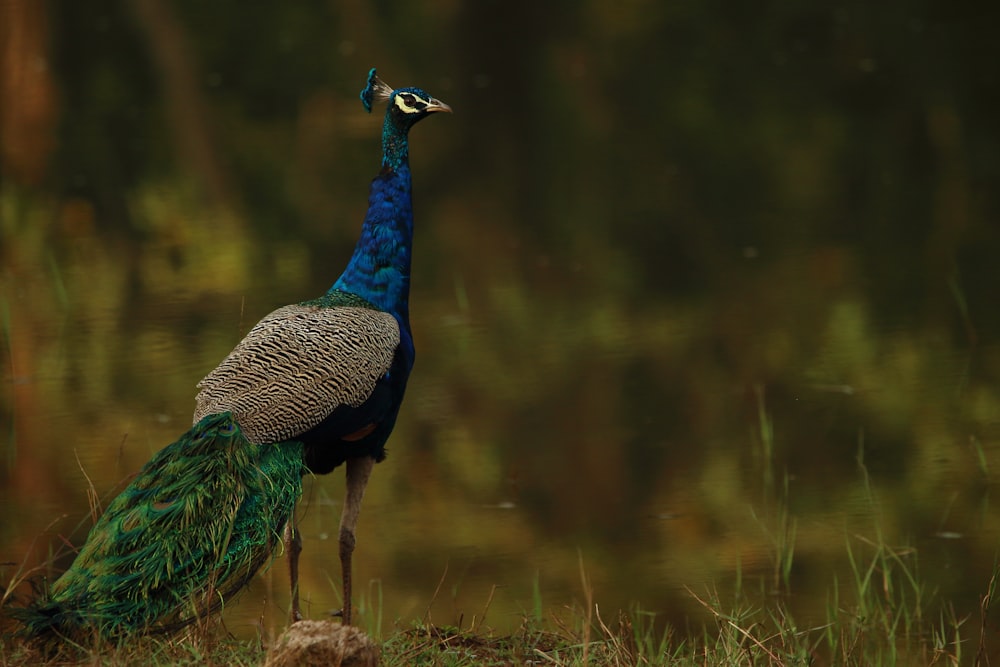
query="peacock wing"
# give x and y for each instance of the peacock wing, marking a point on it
(297, 365)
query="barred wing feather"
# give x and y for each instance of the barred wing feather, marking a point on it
(296, 366)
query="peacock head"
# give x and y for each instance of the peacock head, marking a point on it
(406, 107)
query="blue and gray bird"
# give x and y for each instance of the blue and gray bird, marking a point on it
(311, 386)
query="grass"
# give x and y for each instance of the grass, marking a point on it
(881, 613)
(884, 616)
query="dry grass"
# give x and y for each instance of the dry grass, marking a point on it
(889, 621)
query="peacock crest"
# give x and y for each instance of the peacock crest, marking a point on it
(376, 91)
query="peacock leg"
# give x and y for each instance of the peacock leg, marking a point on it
(358, 471)
(293, 547)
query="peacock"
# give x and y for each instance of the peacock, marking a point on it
(312, 386)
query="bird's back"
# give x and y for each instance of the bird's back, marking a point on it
(299, 364)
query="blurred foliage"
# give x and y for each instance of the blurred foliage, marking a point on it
(684, 273)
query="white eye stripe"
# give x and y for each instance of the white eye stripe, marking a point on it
(401, 103)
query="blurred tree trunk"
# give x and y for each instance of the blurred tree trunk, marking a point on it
(29, 110)
(187, 111)
(28, 116)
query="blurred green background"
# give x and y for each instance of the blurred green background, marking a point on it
(695, 284)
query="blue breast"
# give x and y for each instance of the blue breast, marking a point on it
(378, 273)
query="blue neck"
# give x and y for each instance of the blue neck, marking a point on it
(379, 270)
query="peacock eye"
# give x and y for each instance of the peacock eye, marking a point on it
(410, 103)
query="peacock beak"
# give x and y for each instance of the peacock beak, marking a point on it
(437, 105)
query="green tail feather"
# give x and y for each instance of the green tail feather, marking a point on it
(189, 532)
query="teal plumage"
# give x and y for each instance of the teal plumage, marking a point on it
(189, 531)
(312, 385)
